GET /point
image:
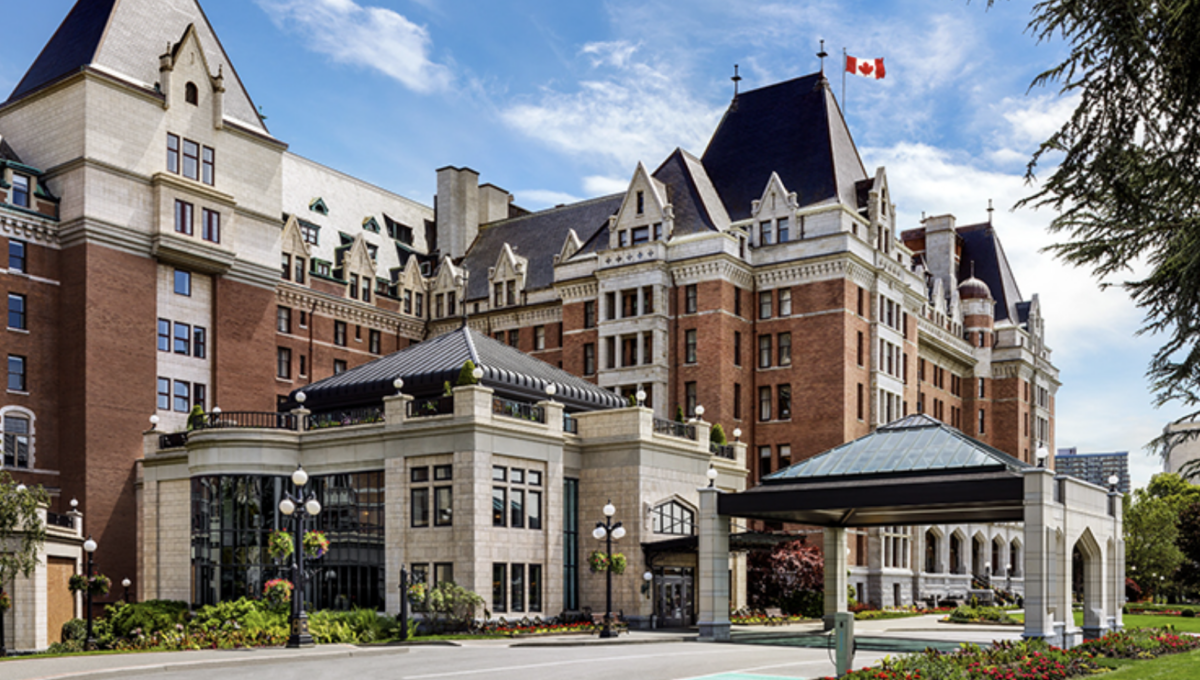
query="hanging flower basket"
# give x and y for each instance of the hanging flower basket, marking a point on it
(618, 564)
(416, 593)
(278, 591)
(315, 545)
(5, 601)
(279, 545)
(598, 561)
(96, 585)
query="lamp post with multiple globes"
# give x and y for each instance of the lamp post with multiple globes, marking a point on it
(89, 546)
(299, 507)
(609, 532)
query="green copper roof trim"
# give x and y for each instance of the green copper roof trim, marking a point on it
(318, 205)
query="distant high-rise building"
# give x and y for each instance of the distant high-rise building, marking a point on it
(1094, 467)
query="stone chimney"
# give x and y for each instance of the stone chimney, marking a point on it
(493, 203)
(941, 250)
(457, 210)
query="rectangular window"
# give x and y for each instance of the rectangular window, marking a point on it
(184, 212)
(420, 507)
(858, 350)
(860, 402)
(374, 341)
(641, 202)
(443, 506)
(981, 421)
(16, 255)
(629, 303)
(785, 456)
(641, 235)
(764, 461)
(629, 350)
(16, 311)
(442, 473)
(283, 319)
(785, 302)
(499, 587)
(499, 505)
(443, 572)
(303, 365)
(689, 391)
(419, 474)
(535, 478)
(737, 301)
(514, 337)
(173, 153)
(861, 296)
(658, 231)
(183, 282)
(533, 509)
(518, 587)
(200, 395)
(285, 267)
(647, 347)
(539, 337)
(764, 233)
(589, 359)
(785, 402)
(784, 229)
(737, 348)
(164, 394)
(737, 401)
(764, 403)
(209, 171)
(622, 238)
(785, 349)
(408, 301)
(647, 299)
(981, 388)
(439, 303)
(535, 587)
(516, 502)
(354, 286)
(610, 306)
(764, 304)
(210, 225)
(610, 350)
(510, 292)
(689, 344)
(191, 159)
(339, 366)
(339, 333)
(420, 305)
(199, 342)
(311, 233)
(690, 304)
(16, 373)
(589, 314)
(452, 304)
(164, 335)
(498, 294)
(183, 396)
(183, 339)
(499, 473)
(764, 351)
(283, 363)
(20, 190)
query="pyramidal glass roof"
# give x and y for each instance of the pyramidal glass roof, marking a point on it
(913, 445)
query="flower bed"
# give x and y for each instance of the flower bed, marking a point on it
(988, 615)
(1029, 659)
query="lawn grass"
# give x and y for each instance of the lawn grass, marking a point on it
(1172, 667)
(1180, 623)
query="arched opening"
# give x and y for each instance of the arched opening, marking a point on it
(977, 559)
(998, 561)
(1014, 558)
(1087, 582)
(956, 554)
(931, 552)
(191, 94)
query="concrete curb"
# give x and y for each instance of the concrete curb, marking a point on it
(605, 643)
(273, 658)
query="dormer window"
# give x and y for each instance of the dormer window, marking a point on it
(20, 190)
(641, 235)
(658, 231)
(191, 94)
(641, 202)
(765, 233)
(783, 229)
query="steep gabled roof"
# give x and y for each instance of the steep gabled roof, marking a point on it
(538, 238)
(794, 128)
(426, 367)
(125, 38)
(981, 246)
(691, 193)
(7, 153)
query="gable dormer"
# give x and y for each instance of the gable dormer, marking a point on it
(448, 289)
(881, 213)
(295, 252)
(188, 84)
(774, 215)
(646, 214)
(411, 288)
(317, 205)
(507, 278)
(358, 268)
(571, 245)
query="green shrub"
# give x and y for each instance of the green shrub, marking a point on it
(466, 376)
(453, 607)
(809, 604)
(74, 630)
(357, 626)
(965, 614)
(717, 435)
(151, 616)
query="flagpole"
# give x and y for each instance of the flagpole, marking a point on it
(843, 81)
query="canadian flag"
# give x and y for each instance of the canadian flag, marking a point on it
(867, 68)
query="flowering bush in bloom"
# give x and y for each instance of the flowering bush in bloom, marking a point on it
(278, 592)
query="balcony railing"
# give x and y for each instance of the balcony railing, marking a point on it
(247, 419)
(722, 450)
(56, 520)
(438, 406)
(674, 429)
(173, 440)
(345, 418)
(519, 410)
(570, 424)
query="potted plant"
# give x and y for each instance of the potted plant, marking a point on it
(5, 601)
(278, 592)
(95, 585)
(279, 545)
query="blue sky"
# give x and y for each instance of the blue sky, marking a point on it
(556, 101)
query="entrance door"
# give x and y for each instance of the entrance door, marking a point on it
(673, 597)
(60, 602)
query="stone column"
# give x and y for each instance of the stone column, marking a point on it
(395, 409)
(1039, 494)
(1118, 563)
(836, 580)
(713, 569)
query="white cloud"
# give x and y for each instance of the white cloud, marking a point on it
(372, 37)
(536, 199)
(598, 185)
(630, 110)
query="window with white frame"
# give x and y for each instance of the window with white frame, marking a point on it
(674, 518)
(18, 438)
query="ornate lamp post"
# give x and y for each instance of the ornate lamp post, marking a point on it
(301, 507)
(126, 583)
(608, 531)
(89, 546)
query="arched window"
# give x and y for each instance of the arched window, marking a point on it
(18, 424)
(674, 518)
(931, 551)
(955, 554)
(190, 94)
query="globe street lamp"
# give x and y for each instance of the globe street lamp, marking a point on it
(89, 546)
(126, 583)
(608, 531)
(299, 507)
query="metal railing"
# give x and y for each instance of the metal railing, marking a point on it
(570, 424)
(437, 406)
(246, 419)
(519, 410)
(173, 440)
(674, 429)
(345, 418)
(721, 450)
(57, 520)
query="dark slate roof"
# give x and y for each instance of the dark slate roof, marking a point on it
(691, 194)
(7, 153)
(915, 445)
(793, 128)
(127, 38)
(981, 247)
(538, 238)
(425, 368)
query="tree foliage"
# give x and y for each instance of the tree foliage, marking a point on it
(790, 576)
(20, 529)
(1151, 552)
(1127, 186)
(466, 375)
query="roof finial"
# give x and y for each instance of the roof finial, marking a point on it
(736, 79)
(821, 55)
(990, 209)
